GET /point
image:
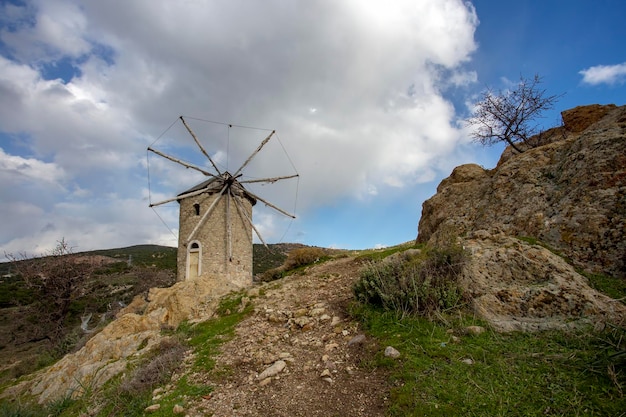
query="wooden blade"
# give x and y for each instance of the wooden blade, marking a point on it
(254, 153)
(195, 138)
(270, 180)
(204, 217)
(178, 161)
(229, 231)
(267, 203)
(242, 213)
(180, 197)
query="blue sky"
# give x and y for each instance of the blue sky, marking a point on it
(367, 99)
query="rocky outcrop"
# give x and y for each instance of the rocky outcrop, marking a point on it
(136, 330)
(569, 193)
(515, 285)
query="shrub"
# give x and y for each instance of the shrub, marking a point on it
(296, 259)
(303, 256)
(414, 282)
(166, 358)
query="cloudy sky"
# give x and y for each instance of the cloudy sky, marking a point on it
(367, 99)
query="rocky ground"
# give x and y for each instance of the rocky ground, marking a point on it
(299, 354)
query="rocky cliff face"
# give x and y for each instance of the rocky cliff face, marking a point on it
(570, 192)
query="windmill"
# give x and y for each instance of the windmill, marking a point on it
(215, 219)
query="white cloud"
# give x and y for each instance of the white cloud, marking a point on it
(353, 89)
(16, 169)
(607, 74)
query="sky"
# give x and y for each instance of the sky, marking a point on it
(367, 101)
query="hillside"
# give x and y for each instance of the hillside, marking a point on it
(533, 252)
(124, 274)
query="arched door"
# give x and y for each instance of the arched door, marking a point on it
(194, 266)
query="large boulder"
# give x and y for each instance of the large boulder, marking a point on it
(517, 286)
(569, 193)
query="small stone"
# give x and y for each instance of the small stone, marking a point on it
(359, 339)
(316, 312)
(325, 358)
(392, 352)
(265, 382)
(335, 321)
(178, 409)
(328, 379)
(467, 361)
(302, 321)
(275, 369)
(331, 346)
(324, 317)
(300, 312)
(274, 318)
(345, 332)
(157, 391)
(284, 355)
(455, 339)
(325, 373)
(152, 408)
(475, 330)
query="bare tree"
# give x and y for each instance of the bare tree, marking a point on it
(56, 278)
(509, 116)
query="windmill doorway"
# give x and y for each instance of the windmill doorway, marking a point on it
(194, 266)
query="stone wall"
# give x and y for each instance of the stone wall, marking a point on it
(216, 263)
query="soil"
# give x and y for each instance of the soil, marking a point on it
(301, 323)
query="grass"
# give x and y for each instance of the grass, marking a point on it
(519, 374)
(129, 395)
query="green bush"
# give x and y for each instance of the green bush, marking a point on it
(303, 256)
(414, 282)
(297, 258)
(165, 359)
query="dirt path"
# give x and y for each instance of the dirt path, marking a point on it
(300, 329)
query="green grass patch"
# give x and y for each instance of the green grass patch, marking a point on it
(518, 374)
(611, 286)
(380, 254)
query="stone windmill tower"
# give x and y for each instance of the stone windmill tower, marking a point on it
(215, 222)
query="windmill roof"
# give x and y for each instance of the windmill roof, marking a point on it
(214, 185)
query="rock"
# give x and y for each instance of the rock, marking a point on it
(541, 193)
(331, 346)
(359, 339)
(152, 408)
(302, 321)
(178, 409)
(520, 287)
(335, 321)
(580, 118)
(316, 312)
(391, 352)
(276, 368)
(467, 361)
(265, 381)
(325, 373)
(475, 330)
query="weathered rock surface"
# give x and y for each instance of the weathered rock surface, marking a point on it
(136, 330)
(569, 193)
(517, 286)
